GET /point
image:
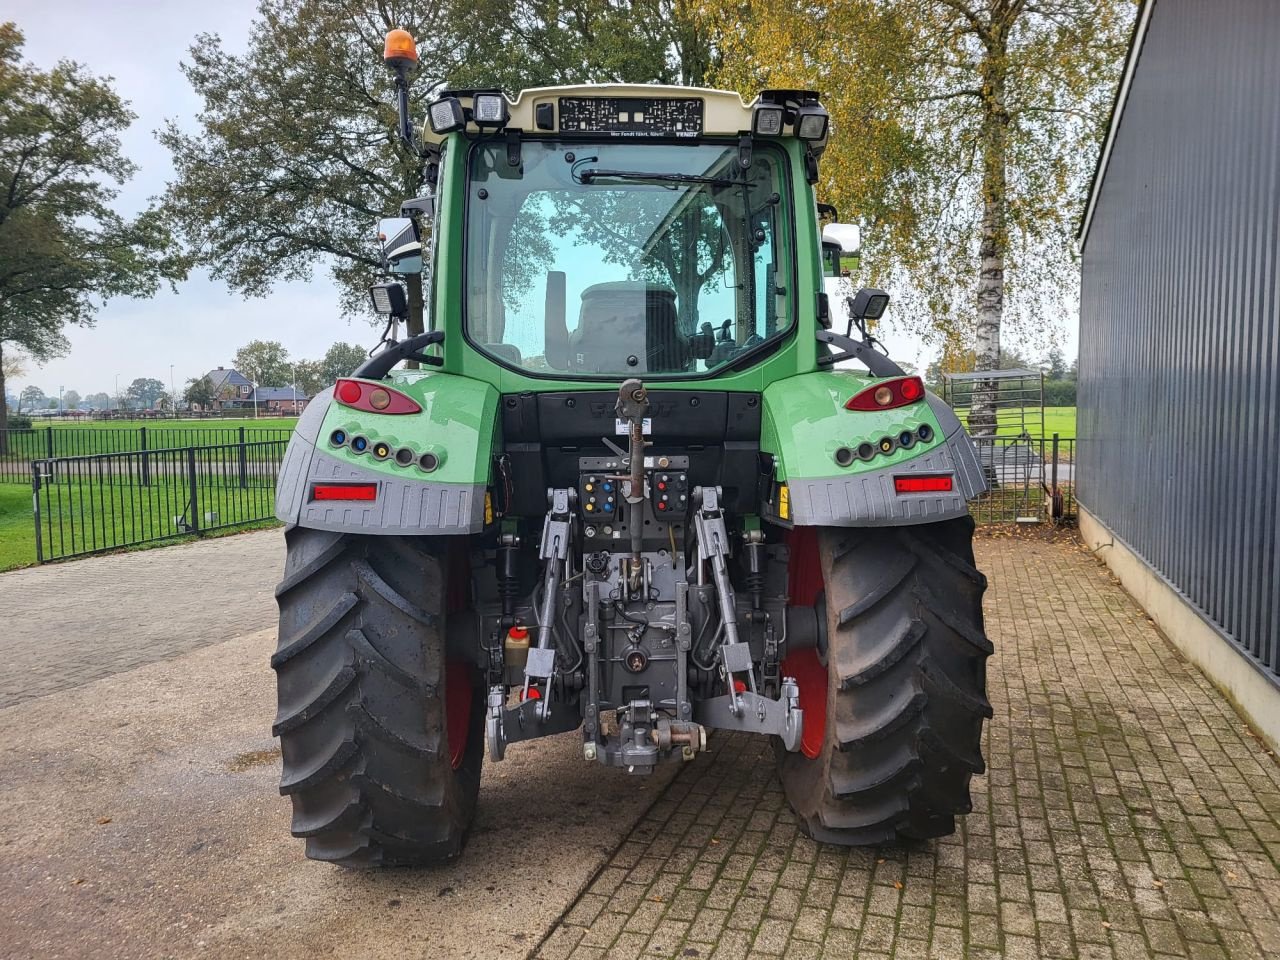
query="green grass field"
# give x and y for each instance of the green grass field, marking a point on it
(17, 532)
(280, 423)
(109, 515)
(125, 436)
(1059, 420)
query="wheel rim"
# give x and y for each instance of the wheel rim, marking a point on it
(805, 589)
(457, 704)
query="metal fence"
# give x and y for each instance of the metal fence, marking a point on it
(90, 504)
(1031, 480)
(19, 448)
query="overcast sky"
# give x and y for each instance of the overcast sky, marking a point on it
(140, 44)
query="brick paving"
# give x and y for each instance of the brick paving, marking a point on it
(65, 624)
(1127, 812)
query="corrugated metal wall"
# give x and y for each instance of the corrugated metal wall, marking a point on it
(1179, 403)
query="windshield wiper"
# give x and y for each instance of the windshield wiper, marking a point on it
(591, 174)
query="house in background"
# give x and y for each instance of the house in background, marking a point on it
(281, 401)
(232, 390)
(1179, 372)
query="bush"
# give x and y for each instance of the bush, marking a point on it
(19, 422)
(1059, 393)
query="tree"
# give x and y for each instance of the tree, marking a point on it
(70, 400)
(536, 42)
(265, 362)
(98, 401)
(964, 133)
(143, 393)
(340, 360)
(63, 249)
(32, 396)
(1056, 364)
(199, 392)
(297, 156)
(309, 377)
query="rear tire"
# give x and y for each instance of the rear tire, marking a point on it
(382, 738)
(905, 671)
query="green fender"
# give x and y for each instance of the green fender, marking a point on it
(810, 435)
(456, 426)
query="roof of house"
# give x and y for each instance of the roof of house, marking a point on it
(1117, 110)
(225, 376)
(266, 394)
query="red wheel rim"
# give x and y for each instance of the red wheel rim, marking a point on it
(457, 709)
(805, 583)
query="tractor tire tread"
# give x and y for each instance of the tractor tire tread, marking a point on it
(907, 694)
(360, 677)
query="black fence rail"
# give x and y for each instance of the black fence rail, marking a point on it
(20, 448)
(102, 502)
(1031, 480)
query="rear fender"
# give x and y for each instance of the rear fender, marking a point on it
(456, 424)
(806, 427)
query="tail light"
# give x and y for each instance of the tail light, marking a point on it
(887, 395)
(373, 397)
(344, 491)
(923, 484)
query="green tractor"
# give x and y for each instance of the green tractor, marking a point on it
(629, 482)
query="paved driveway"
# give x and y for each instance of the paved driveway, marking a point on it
(1127, 811)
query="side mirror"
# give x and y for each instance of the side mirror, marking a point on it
(401, 245)
(846, 236)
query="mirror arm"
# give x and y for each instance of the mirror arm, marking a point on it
(380, 364)
(853, 349)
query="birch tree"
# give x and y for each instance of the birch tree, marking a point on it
(964, 136)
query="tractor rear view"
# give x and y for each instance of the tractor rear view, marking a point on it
(631, 488)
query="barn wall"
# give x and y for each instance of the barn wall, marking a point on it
(1179, 399)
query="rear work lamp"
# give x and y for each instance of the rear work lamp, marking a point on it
(445, 115)
(489, 110)
(811, 122)
(766, 121)
(389, 299)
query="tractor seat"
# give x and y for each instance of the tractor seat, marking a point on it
(629, 318)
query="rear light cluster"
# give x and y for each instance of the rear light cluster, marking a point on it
(373, 397)
(427, 462)
(888, 395)
(885, 446)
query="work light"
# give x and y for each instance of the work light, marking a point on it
(446, 115)
(389, 299)
(766, 121)
(489, 109)
(811, 122)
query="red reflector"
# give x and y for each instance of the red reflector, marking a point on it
(348, 391)
(902, 391)
(935, 484)
(344, 491)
